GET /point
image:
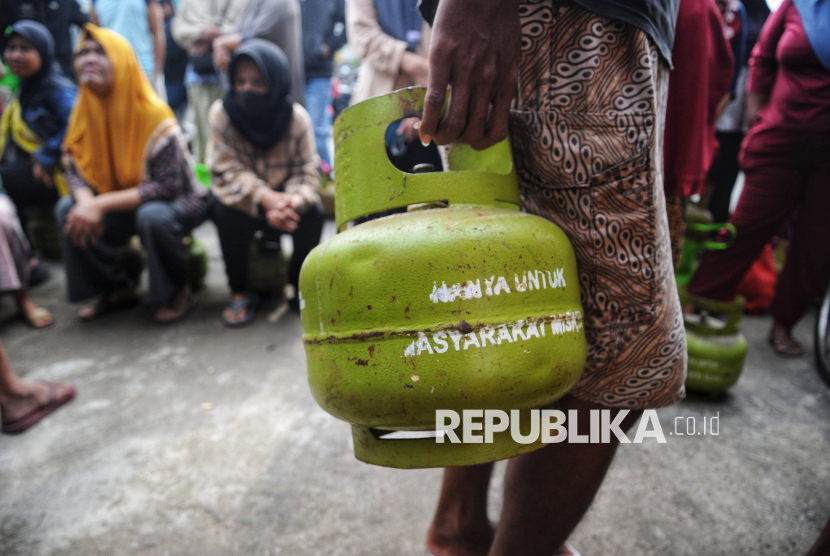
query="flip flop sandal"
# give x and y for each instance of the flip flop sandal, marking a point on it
(250, 303)
(785, 346)
(30, 420)
(104, 306)
(38, 314)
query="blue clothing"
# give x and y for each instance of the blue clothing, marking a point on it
(48, 119)
(324, 22)
(317, 100)
(129, 18)
(815, 16)
(401, 20)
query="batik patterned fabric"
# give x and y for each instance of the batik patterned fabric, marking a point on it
(587, 136)
(675, 205)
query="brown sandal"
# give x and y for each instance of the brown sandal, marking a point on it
(108, 304)
(176, 308)
(784, 344)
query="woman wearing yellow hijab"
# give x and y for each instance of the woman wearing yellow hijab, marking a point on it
(129, 172)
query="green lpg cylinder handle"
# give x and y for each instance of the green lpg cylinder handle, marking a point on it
(367, 181)
(695, 241)
(694, 229)
(733, 310)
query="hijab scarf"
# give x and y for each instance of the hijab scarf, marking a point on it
(815, 16)
(39, 87)
(263, 119)
(109, 138)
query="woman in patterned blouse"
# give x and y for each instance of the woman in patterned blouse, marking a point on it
(130, 173)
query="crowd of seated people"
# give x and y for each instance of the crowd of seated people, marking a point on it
(110, 159)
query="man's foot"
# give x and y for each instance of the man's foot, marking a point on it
(34, 315)
(121, 299)
(781, 340)
(567, 550)
(31, 402)
(179, 304)
(241, 310)
(449, 541)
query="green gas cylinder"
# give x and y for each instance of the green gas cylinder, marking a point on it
(716, 347)
(45, 234)
(267, 267)
(473, 305)
(700, 237)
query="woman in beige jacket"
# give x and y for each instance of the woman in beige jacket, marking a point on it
(387, 62)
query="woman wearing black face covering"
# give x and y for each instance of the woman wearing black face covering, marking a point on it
(33, 125)
(263, 162)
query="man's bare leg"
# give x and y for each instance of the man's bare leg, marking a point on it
(822, 546)
(460, 526)
(547, 492)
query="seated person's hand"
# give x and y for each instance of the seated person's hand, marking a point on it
(409, 129)
(210, 34)
(281, 210)
(203, 43)
(85, 223)
(222, 48)
(221, 58)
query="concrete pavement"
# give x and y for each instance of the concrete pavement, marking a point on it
(194, 439)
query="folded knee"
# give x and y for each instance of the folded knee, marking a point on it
(153, 218)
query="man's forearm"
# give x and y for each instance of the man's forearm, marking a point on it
(128, 199)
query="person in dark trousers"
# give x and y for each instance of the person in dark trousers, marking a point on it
(324, 33)
(56, 15)
(264, 166)
(698, 90)
(784, 158)
(746, 26)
